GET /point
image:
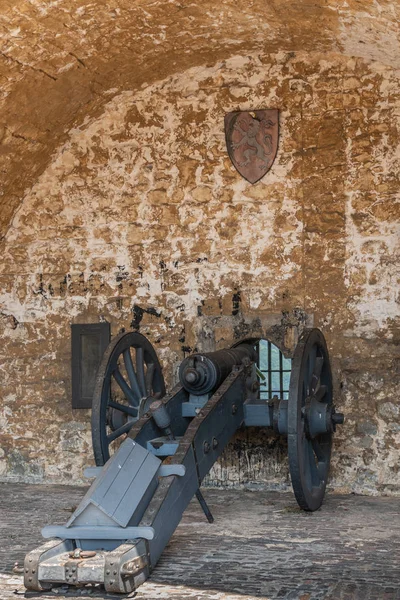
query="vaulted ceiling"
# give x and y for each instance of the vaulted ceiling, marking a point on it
(61, 60)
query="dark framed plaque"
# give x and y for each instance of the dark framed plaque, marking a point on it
(88, 343)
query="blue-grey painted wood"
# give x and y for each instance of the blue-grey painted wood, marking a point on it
(97, 533)
(220, 423)
(132, 375)
(168, 505)
(128, 392)
(167, 470)
(136, 496)
(257, 414)
(92, 472)
(146, 429)
(121, 492)
(162, 446)
(164, 471)
(174, 494)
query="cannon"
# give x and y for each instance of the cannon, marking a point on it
(153, 449)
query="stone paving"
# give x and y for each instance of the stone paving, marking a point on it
(260, 546)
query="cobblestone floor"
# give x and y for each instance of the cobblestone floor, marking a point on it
(260, 546)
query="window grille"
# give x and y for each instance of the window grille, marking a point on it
(274, 371)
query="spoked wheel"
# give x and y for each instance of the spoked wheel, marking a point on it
(311, 419)
(129, 377)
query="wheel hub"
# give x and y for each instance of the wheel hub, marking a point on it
(320, 417)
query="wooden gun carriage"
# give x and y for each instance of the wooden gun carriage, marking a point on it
(166, 445)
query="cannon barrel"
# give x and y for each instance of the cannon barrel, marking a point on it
(202, 373)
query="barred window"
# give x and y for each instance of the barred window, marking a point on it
(273, 371)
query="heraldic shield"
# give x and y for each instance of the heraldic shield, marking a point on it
(252, 141)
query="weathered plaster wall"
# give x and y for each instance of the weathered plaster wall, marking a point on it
(141, 207)
(133, 204)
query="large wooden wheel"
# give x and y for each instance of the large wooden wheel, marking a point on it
(311, 419)
(129, 377)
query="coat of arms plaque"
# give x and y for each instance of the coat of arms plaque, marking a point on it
(252, 141)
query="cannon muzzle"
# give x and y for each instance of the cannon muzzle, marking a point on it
(202, 373)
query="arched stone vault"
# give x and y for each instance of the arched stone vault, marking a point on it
(58, 58)
(94, 182)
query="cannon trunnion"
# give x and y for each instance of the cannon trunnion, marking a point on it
(153, 450)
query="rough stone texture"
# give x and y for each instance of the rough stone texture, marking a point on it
(260, 546)
(118, 196)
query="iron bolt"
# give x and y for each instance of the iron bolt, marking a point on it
(214, 443)
(234, 409)
(114, 572)
(111, 581)
(206, 447)
(107, 572)
(338, 418)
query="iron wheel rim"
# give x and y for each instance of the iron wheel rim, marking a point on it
(309, 458)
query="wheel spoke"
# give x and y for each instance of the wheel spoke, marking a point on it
(315, 477)
(315, 377)
(140, 370)
(319, 452)
(120, 431)
(307, 466)
(322, 459)
(132, 375)
(128, 393)
(306, 391)
(149, 378)
(320, 393)
(311, 366)
(128, 410)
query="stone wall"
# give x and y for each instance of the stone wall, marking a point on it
(137, 216)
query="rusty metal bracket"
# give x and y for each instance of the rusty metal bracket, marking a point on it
(33, 559)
